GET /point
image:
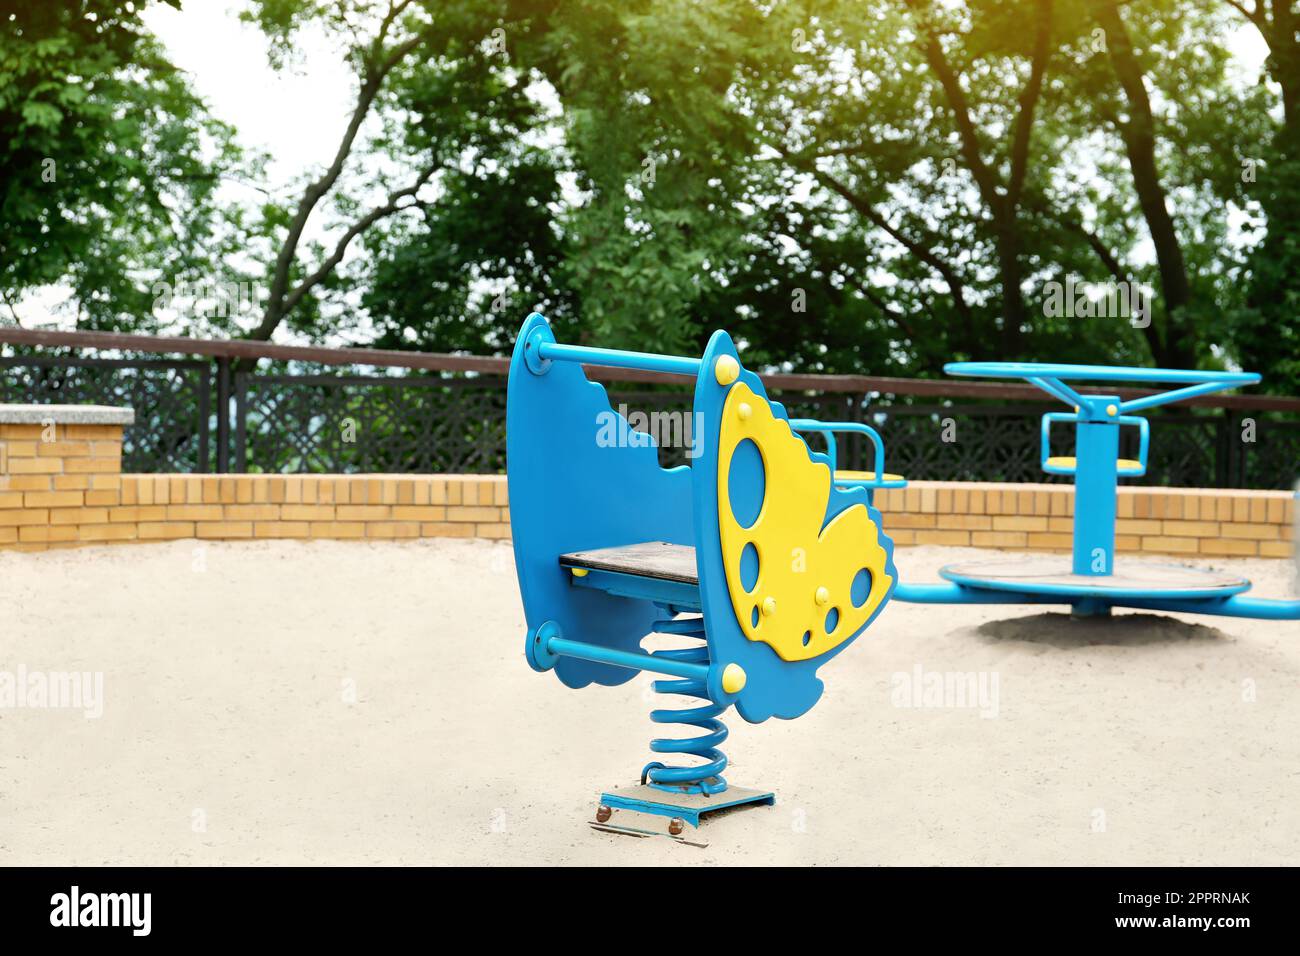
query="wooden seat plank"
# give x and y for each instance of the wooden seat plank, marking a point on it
(649, 559)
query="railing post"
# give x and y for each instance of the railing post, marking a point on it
(223, 414)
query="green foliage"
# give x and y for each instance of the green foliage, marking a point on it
(109, 165)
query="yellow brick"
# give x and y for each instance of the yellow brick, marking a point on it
(1128, 542)
(419, 513)
(194, 513)
(107, 532)
(929, 537)
(389, 492)
(71, 482)
(1162, 544)
(243, 490)
(455, 488)
(903, 537)
(1258, 510)
(1276, 549)
(63, 449)
(894, 520)
(1244, 530)
(47, 533)
(1224, 546)
(11, 499)
(476, 514)
(310, 490)
(293, 490)
(130, 491)
(437, 493)
(26, 482)
(176, 492)
(929, 500)
(1138, 526)
(1060, 524)
(251, 512)
(1191, 529)
(138, 513)
(276, 494)
(325, 496)
(307, 512)
(20, 516)
(1019, 523)
(343, 491)
(445, 529)
(501, 494)
(1124, 504)
(978, 502)
(20, 431)
(8, 535)
(78, 516)
(944, 502)
(162, 489)
(1276, 509)
(37, 466)
(361, 512)
(105, 482)
(338, 529)
(261, 491)
(281, 529)
(1050, 541)
(211, 491)
(53, 499)
(496, 531)
(224, 529)
(91, 432)
(18, 449)
(964, 522)
(999, 539)
(166, 530)
(227, 493)
(86, 466)
(393, 529)
(103, 498)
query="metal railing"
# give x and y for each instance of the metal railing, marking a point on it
(252, 406)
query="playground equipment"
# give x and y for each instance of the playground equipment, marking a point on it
(1091, 581)
(753, 556)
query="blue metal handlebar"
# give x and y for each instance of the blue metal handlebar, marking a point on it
(830, 428)
(1144, 442)
(1051, 378)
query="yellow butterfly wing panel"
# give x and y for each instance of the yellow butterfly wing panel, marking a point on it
(795, 585)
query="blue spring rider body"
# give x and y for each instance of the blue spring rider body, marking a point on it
(753, 556)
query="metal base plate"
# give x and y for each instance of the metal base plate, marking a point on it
(1131, 579)
(648, 811)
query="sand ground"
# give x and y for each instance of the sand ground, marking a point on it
(357, 703)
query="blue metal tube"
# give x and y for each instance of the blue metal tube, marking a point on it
(631, 659)
(617, 358)
(949, 593)
(1057, 389)
(1177, 395)
(1235, 606)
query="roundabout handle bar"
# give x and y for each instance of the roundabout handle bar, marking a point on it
(830, 428)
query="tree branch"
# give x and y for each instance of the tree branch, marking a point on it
(392, 205)
(1028, 102)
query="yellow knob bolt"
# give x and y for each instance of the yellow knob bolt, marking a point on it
(769, 606)
(726, 369)
(744, 410)
(579, 572)
(733, 678)
(1112, 411)
(823, 596)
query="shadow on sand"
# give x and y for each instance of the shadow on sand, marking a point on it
(1064, 632)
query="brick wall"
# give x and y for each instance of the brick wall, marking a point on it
(1033, 517)
(61, 486)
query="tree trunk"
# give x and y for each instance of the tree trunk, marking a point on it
(1176, 347)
